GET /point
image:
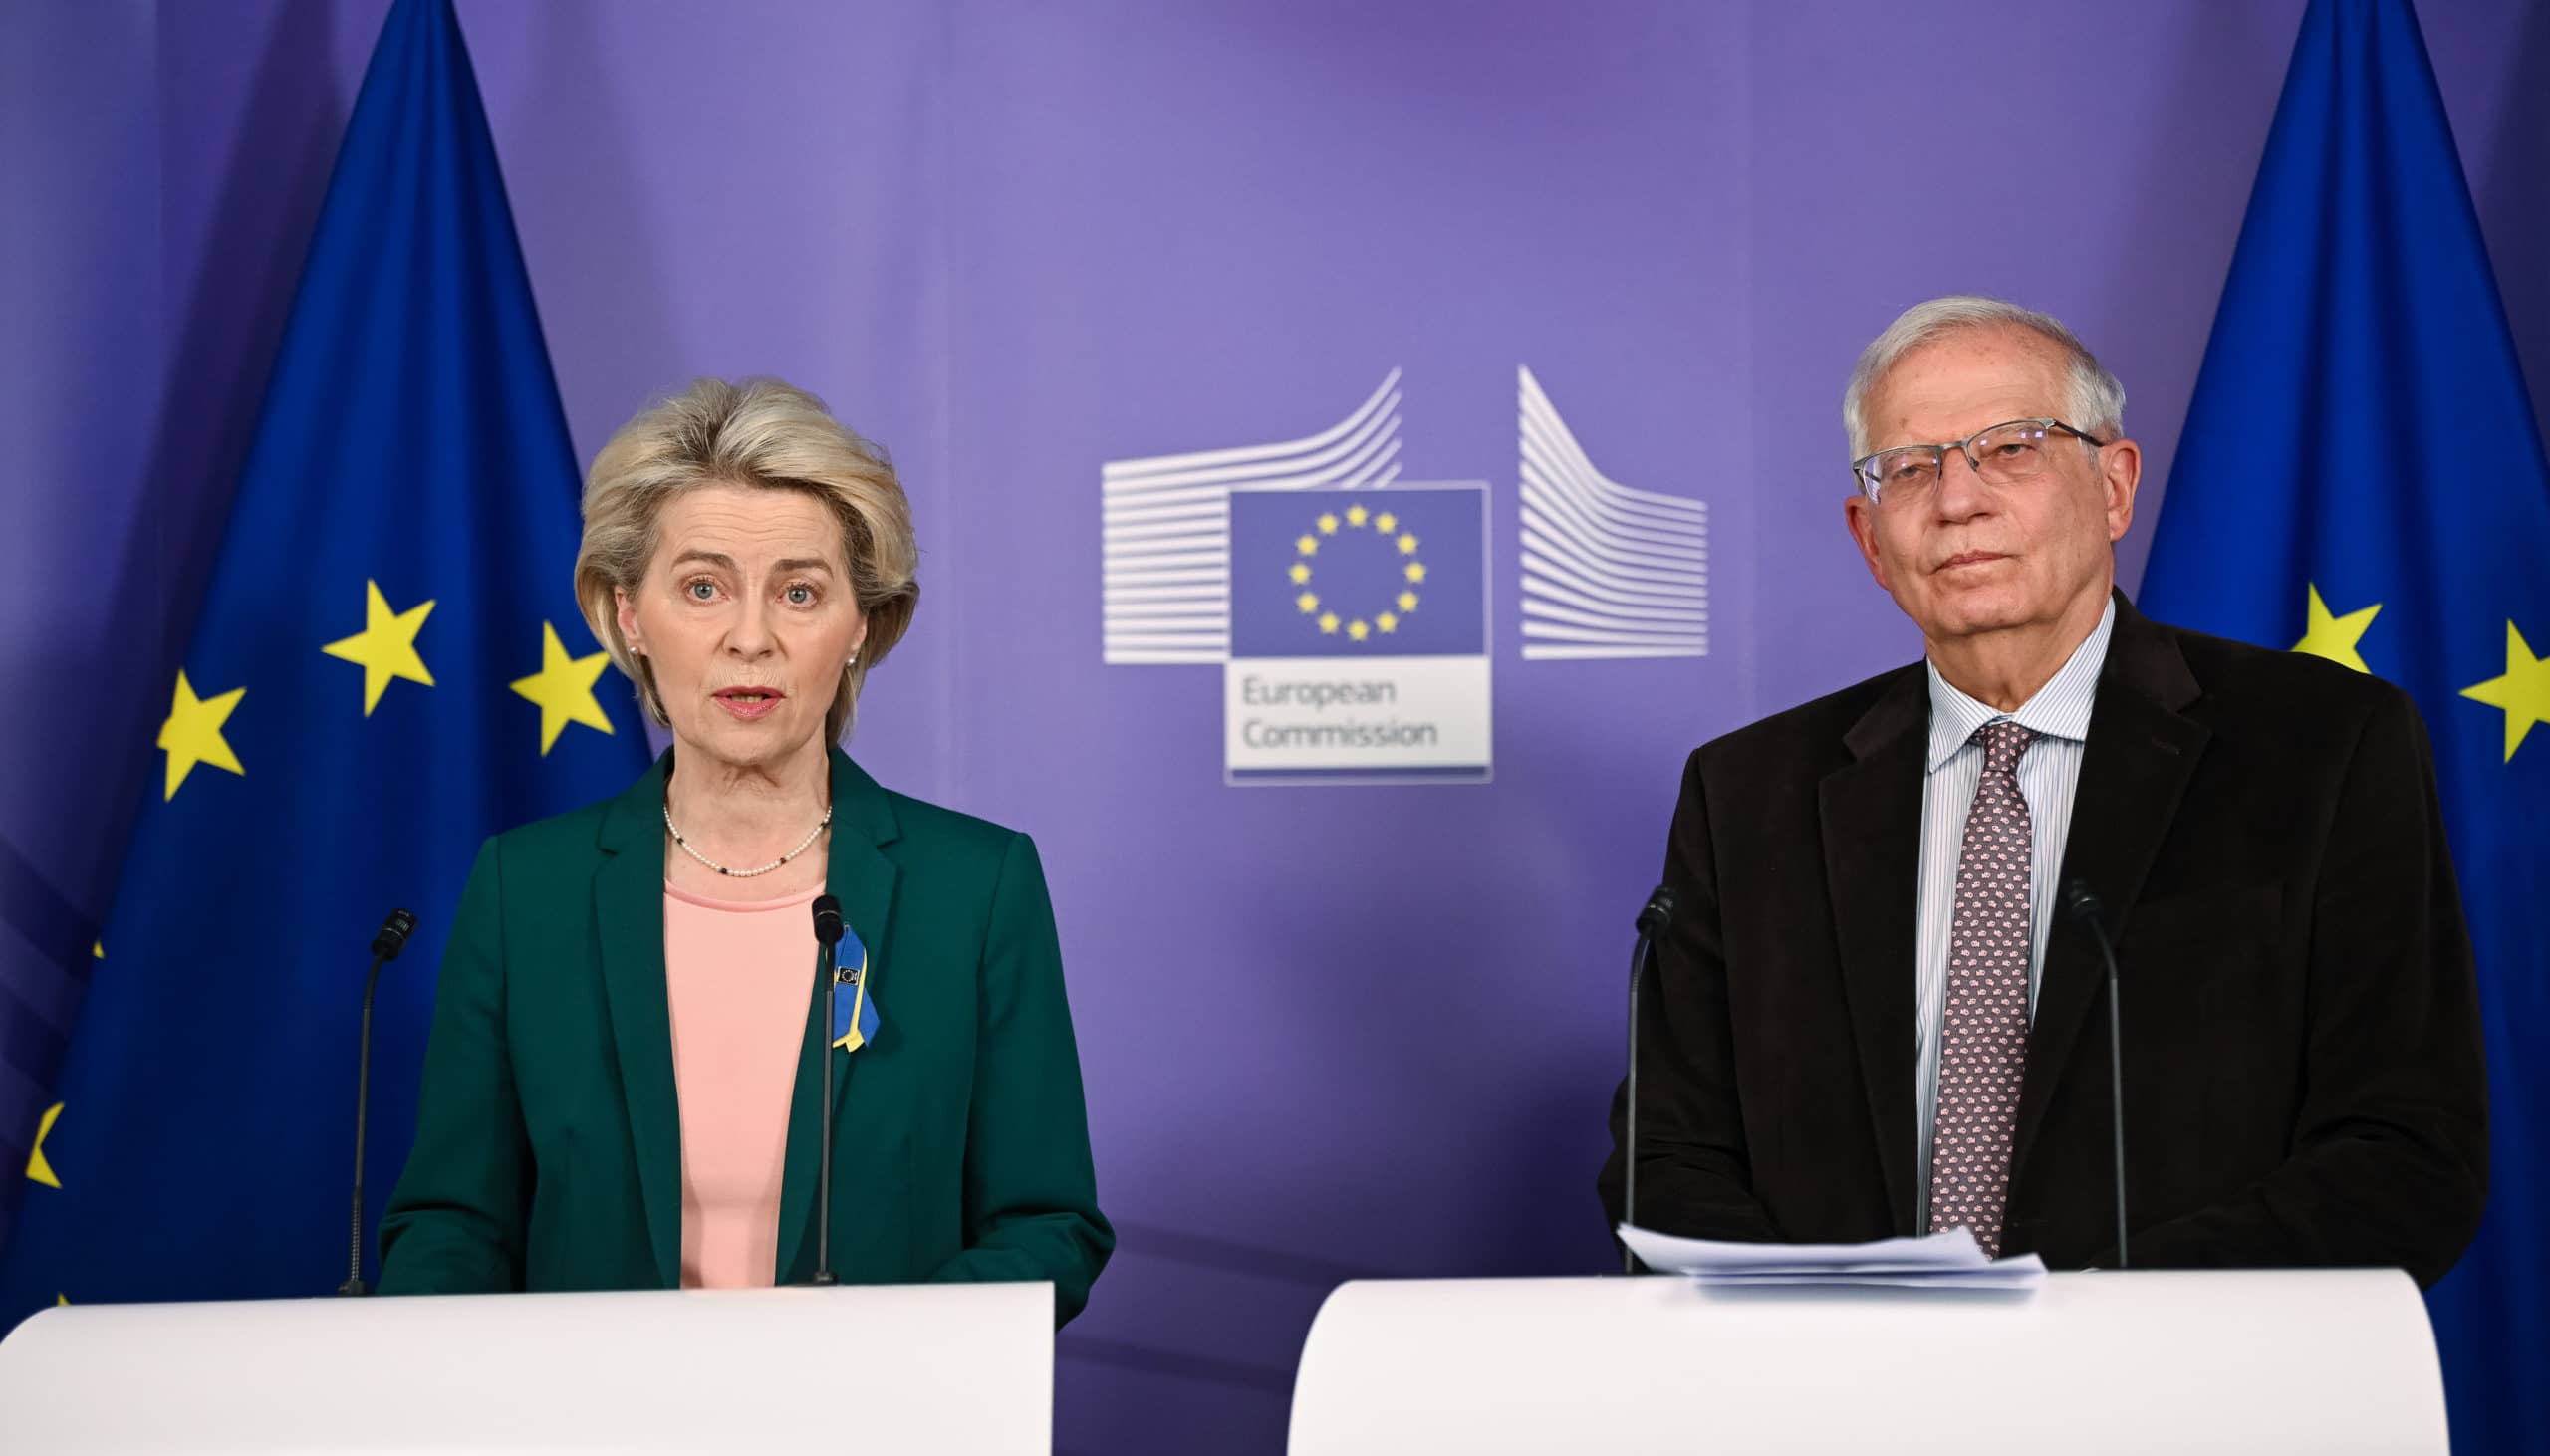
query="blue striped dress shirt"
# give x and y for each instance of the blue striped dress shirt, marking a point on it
(2049, 773)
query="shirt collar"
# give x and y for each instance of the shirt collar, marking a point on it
(2060, 709)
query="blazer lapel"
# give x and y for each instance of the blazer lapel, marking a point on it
(629, 914)
(1871, 820)
(858, 875)
(2133, 770)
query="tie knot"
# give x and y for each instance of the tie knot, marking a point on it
(2003, 740)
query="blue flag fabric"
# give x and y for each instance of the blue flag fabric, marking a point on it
(388, 666)
(2362, 477)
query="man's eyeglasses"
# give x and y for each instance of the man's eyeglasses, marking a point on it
(2005, 454)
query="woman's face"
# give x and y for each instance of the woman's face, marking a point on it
(747, 616)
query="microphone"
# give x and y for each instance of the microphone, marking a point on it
(1651, 919)
(385, 949)
(828, 932)
(2081, 905)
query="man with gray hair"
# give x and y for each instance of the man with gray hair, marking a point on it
(1882, 1003)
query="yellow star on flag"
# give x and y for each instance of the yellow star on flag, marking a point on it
(1388, 622)
(1408, 601)
(1408, 544)
(564, 688)
(1328, 622)
(1308, 601)
(1307, 546)
(192, 734)
(2325, 634)
(37, 1167)
(1301, 572)
(1327, 524)
(1357, 629)
(386, 645)
(1386, 522)
(1356, 515)
(2523, 692)
(1417, 571)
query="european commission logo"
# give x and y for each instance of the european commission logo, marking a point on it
(1349, 608)
(1359, 635)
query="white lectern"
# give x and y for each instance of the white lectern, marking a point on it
(2327, 1361)
(935, 1368)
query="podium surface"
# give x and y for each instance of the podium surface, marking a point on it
(871, 1368)
(2327, 1361)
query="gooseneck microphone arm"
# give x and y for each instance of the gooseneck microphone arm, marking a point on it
(1651, 919)
(2084, 906)
(828, 932)
(385, 949)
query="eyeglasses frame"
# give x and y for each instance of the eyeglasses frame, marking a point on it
(1869, 486)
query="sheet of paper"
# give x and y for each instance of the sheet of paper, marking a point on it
(1950, 1260)
(2020, 1276)
(1670, 1254)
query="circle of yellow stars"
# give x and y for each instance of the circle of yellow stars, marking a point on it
(1355, 518)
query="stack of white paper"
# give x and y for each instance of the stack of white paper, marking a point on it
(1951, 1259)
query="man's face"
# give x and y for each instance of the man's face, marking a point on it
(1963, 558)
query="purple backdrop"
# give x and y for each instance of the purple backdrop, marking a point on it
(1325, 1031)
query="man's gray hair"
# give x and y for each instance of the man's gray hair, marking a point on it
(2096, 401)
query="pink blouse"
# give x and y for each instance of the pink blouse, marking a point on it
(738, 974)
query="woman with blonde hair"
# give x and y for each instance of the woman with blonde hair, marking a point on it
(623, 1089)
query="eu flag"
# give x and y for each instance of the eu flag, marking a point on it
(1397, 573)
(388, 666)
(2361, 478)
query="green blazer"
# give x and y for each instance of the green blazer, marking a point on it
(548, 1151)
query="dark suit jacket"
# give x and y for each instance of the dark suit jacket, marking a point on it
(2303, 1075)
(548, 1149)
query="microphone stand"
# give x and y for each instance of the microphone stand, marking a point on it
(1652, 918)
(2084, 905)
(385, 949)
(827, 931)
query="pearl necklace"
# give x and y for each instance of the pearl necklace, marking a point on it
(745, 873)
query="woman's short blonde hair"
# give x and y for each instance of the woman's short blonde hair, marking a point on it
(760, 434)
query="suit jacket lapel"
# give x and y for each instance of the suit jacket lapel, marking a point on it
(1872, 821)
(628, 915)
(858, 875)
(2133, 770)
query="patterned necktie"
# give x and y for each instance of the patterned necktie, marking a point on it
(1983, 1044)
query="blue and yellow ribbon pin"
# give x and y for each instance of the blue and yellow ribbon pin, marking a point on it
(853, 1014)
